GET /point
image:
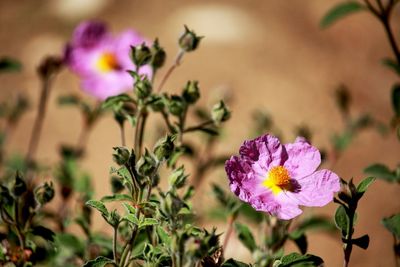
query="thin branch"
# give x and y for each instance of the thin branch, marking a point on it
(171, 69)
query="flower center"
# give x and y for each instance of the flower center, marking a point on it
(107, 62)
(277, 179)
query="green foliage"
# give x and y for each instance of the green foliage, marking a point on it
(340, 11)
(381, 171)
(99, 262)
(298, 260)
(245, 236)
(9, 65)
(392, 224)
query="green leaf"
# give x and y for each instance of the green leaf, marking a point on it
(116, 197)
(341, 219)
(98, 205)
(245, 236)
(69, 100)
(164, 236)
(131, 218)
(364, 184)
(314, 223)
(71, 242)
(301, 242)
(396, 99)
(99, 262)
(297, 260)
(234, 263)
(362, 242)
(393, 224)
(381, 171)
(9, 65)
(43, 232)
(148, 222)
(392, 64)
(340, 11)
(129, 208)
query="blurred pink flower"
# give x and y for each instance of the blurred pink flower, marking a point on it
(277, 178)
(102, 60)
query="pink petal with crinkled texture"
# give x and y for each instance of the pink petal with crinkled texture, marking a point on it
(281, 205)
(317, 189)
(303, 158)
(267, 145)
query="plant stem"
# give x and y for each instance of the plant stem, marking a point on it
(392, 40)
(17, 226)
(38, 124)
(198, 127)
(115, 244)
(122, 130)
(171, 69)
(229, 231)
(348, 246)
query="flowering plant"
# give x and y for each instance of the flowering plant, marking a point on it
(150, 211)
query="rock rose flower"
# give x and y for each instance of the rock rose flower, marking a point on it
(277, 178)
(102, 60)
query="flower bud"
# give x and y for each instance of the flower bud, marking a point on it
(19, 185)
(220, 113)
(189, 41)
(176, 105)
(140, 55)
(156, 103)
(164, 148)
(147, 164)
(143, 88)
(158, 55)
(191, 92)
(49, 66)
(121, 155)
(44, 193)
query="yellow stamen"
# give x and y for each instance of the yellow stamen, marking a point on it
(277, 179)
(107, 62)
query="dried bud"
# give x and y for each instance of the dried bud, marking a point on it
(121, 155)
(116, 185)
(49, 66)
(19, 185)
(164, 148)
(191, 92)
(147, 164)
(176, 105)
(189, 41)
(220, 113)
(143, 88)
(158, 55)
(140, 55)
(44, 193)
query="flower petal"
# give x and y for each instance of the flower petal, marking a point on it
(266, 145)
(317, 189)
(303, 158)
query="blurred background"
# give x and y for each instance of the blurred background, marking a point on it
(265, 55)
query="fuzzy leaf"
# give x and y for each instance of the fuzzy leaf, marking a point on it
(381, 171)
(116, 197)
(164, 236)
(245, 236)
(131, 218)
(99, 262)
(393, 224)
(98, 205)
(341, 219)
(301, 242)
(148, 222)
(340, 11)
(234, 263)
(297, 260)
(364, 184)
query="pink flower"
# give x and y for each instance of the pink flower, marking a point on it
(102, 60)
(277, 178)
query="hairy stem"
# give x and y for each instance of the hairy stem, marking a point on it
(170, 70)
(122, 131)
(229, 232)
(115, 236)
(38, 124)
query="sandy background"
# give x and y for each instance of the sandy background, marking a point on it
(270, 54)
